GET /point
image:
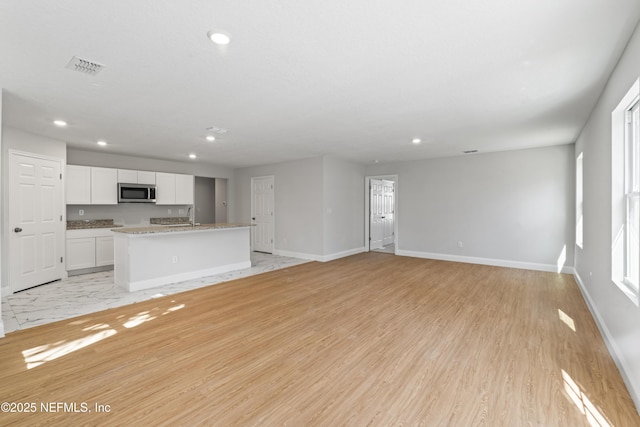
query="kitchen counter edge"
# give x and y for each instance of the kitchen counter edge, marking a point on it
(177, 229)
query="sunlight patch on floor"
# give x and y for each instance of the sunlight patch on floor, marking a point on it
(36, 356)
(582, 402)
(567, 320)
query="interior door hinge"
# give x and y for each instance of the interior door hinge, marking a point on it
(60, 217)
(369, 238)
(60, 176)
(60, 260)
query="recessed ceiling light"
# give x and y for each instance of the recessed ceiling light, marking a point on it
(60, 123)
(102, 143)
(416, 140)
(192, 156)
(211, 138)
(219, 38)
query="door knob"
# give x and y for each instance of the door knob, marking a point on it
(17, 229)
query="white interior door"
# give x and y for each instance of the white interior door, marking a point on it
(36, 241)
(388, 195)
(376, 210)
(262, 202)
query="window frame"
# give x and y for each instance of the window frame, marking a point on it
(625, 196)
(632, 198)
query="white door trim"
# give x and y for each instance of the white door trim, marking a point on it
(273, 218)
(7, 224)
(367, 216)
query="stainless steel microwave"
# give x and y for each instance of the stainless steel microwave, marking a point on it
(136, 193)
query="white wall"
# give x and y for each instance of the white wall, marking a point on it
(343, 191)
(512, 208)
(298, 201)
(2, 206)
(618, 317)
(318, 206)
(14, 139)
(110, 160)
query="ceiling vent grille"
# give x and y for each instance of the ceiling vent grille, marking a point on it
(84, 66)
(217, 130)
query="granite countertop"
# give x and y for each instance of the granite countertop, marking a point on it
(170, 220)
(181, 228)
(83, 224)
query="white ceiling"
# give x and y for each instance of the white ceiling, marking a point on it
(356, 79)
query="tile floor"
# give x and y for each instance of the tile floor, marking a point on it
(389, 249)
(88, 293)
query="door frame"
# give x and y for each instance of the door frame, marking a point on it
(63, 211)
(273, 224)
(367, 209)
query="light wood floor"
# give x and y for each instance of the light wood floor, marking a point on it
(370, 339)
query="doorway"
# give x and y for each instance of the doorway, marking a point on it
(210, 200)
(262, 213)
(381, 222)
(204, 200)
(36, 228)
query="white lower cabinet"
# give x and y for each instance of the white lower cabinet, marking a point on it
(104, 251)
(81, 253)
(89, 248)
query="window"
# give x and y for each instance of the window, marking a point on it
(625, 194)
(632, 199)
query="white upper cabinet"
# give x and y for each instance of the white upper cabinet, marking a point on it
(104, 186)
(146, 177)
(184, 189)
(128, 176)
(165, 188)
(78, 185)
(136, 177)
(99, 186)
(174, 189)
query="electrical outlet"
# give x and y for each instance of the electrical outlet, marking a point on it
(168, 211)
(459, 243)
(180, 211)
(175, 259)
(81, 212)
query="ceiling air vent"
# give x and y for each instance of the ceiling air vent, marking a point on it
(470, 151)
(84, 66)
(217, 130)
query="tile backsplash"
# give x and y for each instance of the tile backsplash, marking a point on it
(128, 214)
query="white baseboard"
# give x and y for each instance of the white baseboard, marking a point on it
(299, 255)
(5, 291)
(342, 254)
(320, 258)
(1, 329)
(487, 261)
(614, 350)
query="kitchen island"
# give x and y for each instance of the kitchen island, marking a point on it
(146, 257)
